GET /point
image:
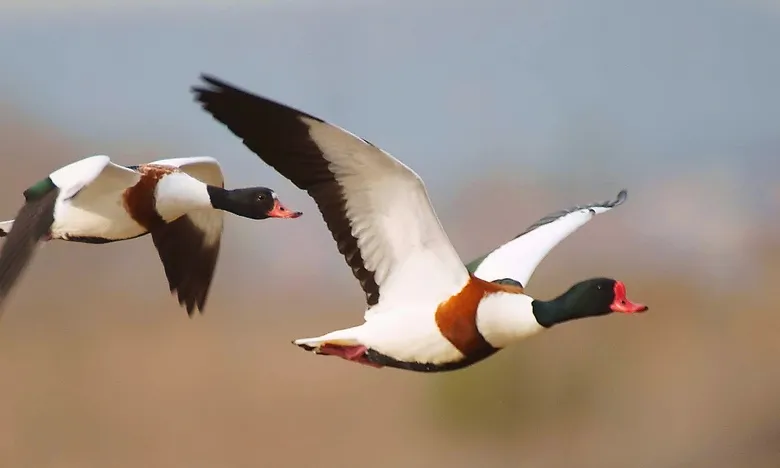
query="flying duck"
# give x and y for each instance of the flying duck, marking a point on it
(425, 312)
(515, 261)
(179, 201)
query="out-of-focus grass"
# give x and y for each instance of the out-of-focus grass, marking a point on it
(102, 368)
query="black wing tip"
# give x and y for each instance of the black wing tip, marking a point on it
(190, 304)
(213, 81)
(218, 95)
(621, 198)
(211, 86)
(189, 300)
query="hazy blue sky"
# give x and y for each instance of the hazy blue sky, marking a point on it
(606, 93)
(428, 80)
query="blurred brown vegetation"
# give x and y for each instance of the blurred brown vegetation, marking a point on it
(101, 368)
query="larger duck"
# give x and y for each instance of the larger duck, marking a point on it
(180, 202)
(425, 312)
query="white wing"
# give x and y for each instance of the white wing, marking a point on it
(203, 168)
(518, 258)
(376, 208)
(92, 177)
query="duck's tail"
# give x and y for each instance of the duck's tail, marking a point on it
(5, 227)
(342, 343)
(345, 337)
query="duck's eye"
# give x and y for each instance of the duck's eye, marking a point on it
(261, 197)
(598, 286)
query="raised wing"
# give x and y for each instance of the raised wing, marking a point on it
(518, 258)
(77, 181)
(204, 168)
(92, 177)
(189, 246)
(376, 208)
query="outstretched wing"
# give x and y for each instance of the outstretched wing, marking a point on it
(376, 208)
(518, 258)
(189, 246)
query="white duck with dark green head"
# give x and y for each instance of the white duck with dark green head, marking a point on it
(426, 312)
(180, 202)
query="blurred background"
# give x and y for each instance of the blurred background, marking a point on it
(509, 110)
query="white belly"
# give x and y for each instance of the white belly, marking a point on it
(104, 217)
(410, 336)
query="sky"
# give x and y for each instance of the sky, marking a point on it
(675, 81)
(677, 100)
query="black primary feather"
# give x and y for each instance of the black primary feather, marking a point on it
(32, 223)
(279, 135)
(621, 197)
(189, 261)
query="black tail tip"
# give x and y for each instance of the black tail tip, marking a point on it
(304, 347)
(3, 233)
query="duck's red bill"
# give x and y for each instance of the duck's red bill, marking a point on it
(280, 211)
(622, 304)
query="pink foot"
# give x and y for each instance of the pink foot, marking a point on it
(350, 353)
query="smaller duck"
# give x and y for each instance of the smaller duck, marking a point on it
(180, 202)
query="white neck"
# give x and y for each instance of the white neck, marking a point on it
(178, 193)
(504, 318)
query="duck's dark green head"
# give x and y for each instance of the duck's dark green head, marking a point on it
(589, 298)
